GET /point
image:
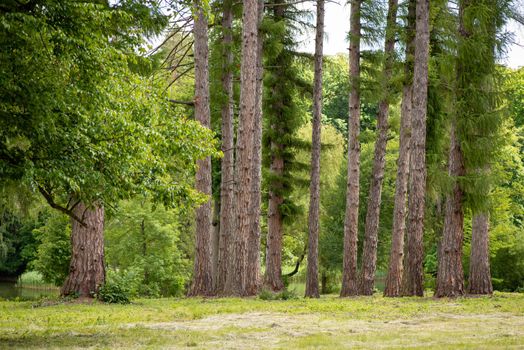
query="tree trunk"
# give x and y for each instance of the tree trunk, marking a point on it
(369, 259)
(236, 282)
(413, 279)
(314, 195)
(215, 242)
(273, 277)
(254, 278)
(349, 269)
(395, 269)
(450, 275)
(87, 267)
(479, 271)
(227, 166)
(202, 283)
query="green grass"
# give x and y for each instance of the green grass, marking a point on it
(328, 323)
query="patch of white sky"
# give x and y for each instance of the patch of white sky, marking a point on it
(337, 27)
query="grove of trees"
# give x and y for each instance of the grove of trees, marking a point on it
(192, 148)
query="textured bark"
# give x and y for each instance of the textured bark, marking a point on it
(349, 268)
(253, 281)
(202, 283)
(227, 166)
(369, 258)
(236, 281)
(314, 189)
(395, 268)
(413, 278)
(450, 275)
(87, 268)
(479, 271)
(273, 276)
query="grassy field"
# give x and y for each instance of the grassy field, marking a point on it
(328, 323)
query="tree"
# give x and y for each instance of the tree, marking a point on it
(254, 283)
(479, 271)
(369, 260)
(314, 201)
(228, 161)
(239, 274)
(395, 269)
(413, 271)
(474, 141)
(81, 126)
(349, 271)
(202, 283)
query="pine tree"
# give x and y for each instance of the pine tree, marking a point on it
(369, 260)
(202, 283)
(413, 273)
(349, 270)
(314, 201)
(239, 274)
(227, 163)
(396, 268)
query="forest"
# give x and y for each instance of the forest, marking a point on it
(206, 160)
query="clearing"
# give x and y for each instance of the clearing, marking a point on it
(328, 323)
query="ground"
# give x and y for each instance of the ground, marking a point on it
(328, 323)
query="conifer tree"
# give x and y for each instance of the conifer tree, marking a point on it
(314, 201)
(349, 268)
(369, 259)
(414, 274)
(395, 267)
(202, 283)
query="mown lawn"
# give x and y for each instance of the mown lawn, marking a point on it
(328, 323)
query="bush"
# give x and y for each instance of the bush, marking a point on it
(113, 293)
(286, 294)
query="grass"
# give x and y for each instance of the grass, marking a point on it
(328, 323)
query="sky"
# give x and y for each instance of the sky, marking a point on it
(337, 26)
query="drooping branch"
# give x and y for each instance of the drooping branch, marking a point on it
(187, 103)
(69, 212)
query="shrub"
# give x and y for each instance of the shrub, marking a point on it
(113, 293)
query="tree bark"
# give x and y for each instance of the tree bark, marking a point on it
(479, 271)
(413, 278)
(349, 269)
(395, 269)
(450, 275)
(314, 194)
(369, 259)
(273, 276)
(227, 166)
(254, 279)
(236, 282)
(87, 267)
(202, 283)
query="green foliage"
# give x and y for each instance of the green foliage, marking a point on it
(53, 252)
(150, 249)
(75, 119)
(113, 292)
(286, 294)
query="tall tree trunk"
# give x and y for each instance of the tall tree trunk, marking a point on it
(413, 278)
(236, 281)
(479, 271)
(314, 194)
(349, 270)
(227, 166)
(87, 267)
(254, 278)
(369, 258)
(450, 275)
(395, 269)
(273, 276)
(202, 283)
